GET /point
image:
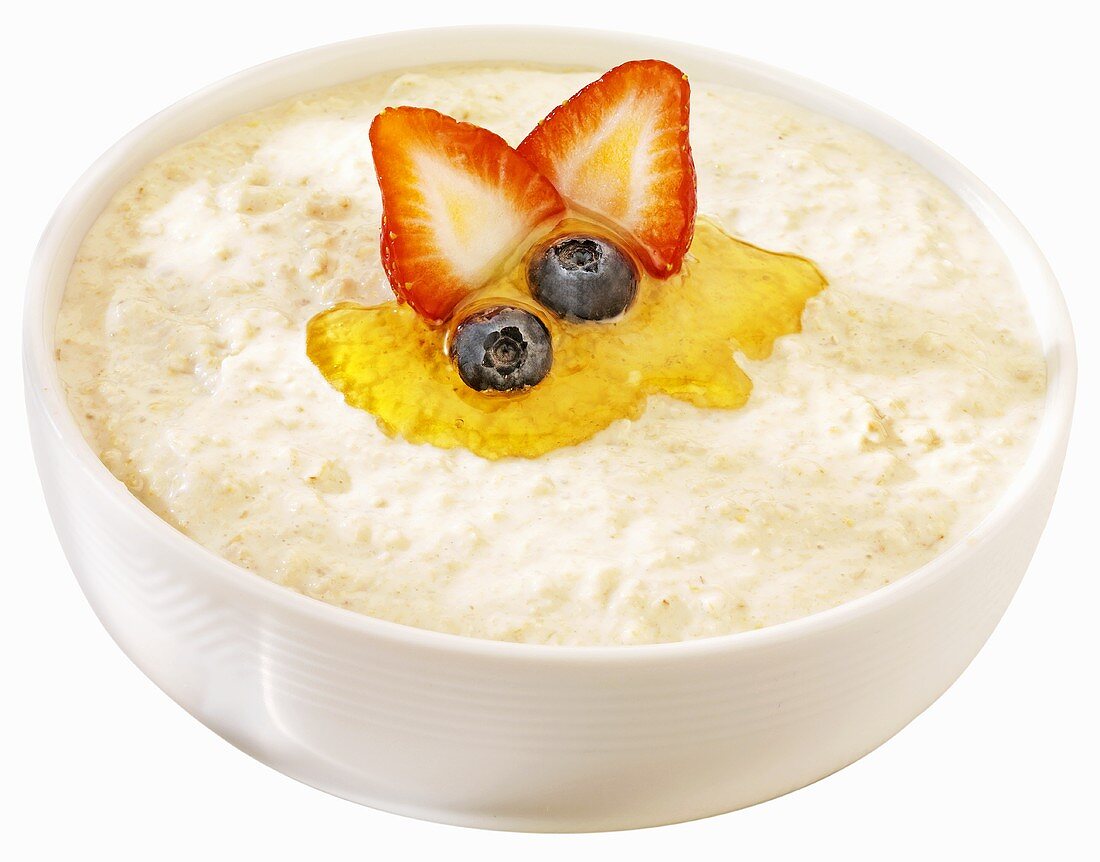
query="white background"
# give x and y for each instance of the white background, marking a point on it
(1005, 765)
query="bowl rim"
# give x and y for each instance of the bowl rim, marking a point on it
(44, 388)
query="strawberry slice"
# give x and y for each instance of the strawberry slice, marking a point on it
(619, 149)
(456, 202)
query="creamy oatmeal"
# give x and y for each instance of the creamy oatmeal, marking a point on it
(872, 441)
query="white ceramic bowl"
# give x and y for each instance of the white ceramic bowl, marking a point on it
(514, 736)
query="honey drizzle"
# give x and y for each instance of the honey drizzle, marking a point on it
(678, 339)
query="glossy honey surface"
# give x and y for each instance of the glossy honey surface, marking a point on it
(679, 338)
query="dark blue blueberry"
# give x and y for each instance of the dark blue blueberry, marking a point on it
(583, 278)
(501, 348)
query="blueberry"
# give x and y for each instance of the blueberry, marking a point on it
(583, 278)
(501, 348)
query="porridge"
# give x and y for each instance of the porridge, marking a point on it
(872, 440)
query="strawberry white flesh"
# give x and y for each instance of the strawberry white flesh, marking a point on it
(456, 201)
(619, 149)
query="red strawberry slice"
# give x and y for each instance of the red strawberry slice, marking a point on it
(456, 202)
(619, 149)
